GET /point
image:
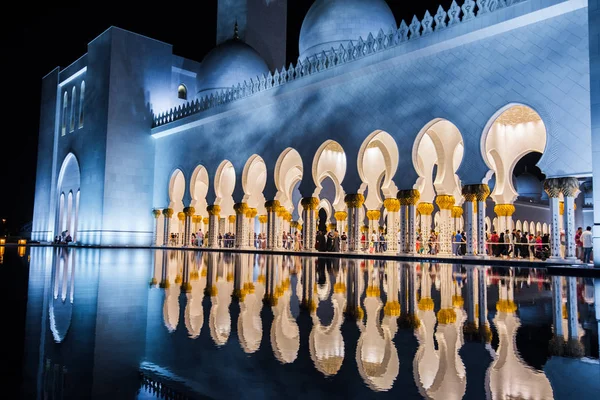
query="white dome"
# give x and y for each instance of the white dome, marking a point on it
(527, 185)
(330, 23)
(228, 64)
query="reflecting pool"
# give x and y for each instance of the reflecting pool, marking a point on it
(143, 324)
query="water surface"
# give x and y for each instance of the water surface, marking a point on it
(141, 323)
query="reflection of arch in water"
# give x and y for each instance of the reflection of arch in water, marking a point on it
(60, 310)
(249, 323)
(508, 374)
(285, 333)
(376, 353)
(194, 312)
(326, 343)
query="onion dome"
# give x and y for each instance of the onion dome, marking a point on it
(228, 64)
(330, 23)
(528, 186)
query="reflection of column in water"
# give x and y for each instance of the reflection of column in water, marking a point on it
(326, 343)
(220, 292)
(508, 374)
(426, 361)
(376, 354)
(450, 380)
(249, 323)
(172, 290)
(484, 327)
(285, 334)
(194, 312)
(471, 326)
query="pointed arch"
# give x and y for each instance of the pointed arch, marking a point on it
(289, 170)
(81, 100)
(68, 185)
(199, 185)
(513, 131)
(224, 187)
(330, 162)
(439, 144)
(254, 180)
(377, 163)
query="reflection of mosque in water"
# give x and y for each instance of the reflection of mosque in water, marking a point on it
(219, 316)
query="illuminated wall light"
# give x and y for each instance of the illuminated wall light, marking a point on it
(2, 241)
(21, 250)
(22, 241)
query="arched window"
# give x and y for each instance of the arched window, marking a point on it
(81, 98)
(72, 119)
(182, 92)
(64, 114)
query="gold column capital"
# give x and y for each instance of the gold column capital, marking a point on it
(504, 210)
(553, 187)
(341, 215)
(355, 200)
(168, 212)
(391, 204)
(309, 203)
(156, 213)
(189, 211)
(569, 186)
(272, 205)
(446, 316)
(263, 219)
(180, 215)
(425, 208)
(231, 219)
(373, 215)
(240, 208)
(214, 210)
(409, 197)
(444, 201)
(457, 212)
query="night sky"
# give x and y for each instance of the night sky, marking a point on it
(55, 34)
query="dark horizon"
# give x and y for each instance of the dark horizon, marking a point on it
(51, 37)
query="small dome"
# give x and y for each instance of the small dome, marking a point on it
(527, 185)
(330, 23)
(228, 64)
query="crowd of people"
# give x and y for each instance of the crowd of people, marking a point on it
(508, 244)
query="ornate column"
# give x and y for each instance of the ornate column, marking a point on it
(205, 222)
(281, 211)
(392, 206)
(409, 199)
(445, 203)
(552, 187)
(373, 216)
(272, 224)
(157, 214)
(456, 213)
(251, 215)
(504, 213)
(425, 210)
(168, 213)
(214, 212)
(570, 190)
(353, 203)
(310, 204)
(241, 225)
(402, 222)
(341, 217)
(481, 191)
(470, 231)
(180, 231)
(187, 225)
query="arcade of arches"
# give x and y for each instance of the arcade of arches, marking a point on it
(426, 216)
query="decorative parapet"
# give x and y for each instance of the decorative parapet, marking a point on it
(334, 57)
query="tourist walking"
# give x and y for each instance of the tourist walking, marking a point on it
(587, 244)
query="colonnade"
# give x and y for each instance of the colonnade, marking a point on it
(405, 217)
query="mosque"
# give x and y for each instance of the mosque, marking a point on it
(403, 126)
